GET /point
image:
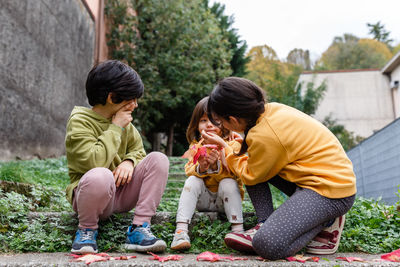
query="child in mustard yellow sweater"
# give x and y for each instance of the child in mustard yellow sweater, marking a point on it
(295, 153)
(210, 186)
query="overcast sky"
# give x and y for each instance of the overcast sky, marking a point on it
(309, 24)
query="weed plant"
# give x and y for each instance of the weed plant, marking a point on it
(371, 226)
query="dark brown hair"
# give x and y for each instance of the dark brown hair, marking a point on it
(115, 77)
(192, 132)
(239, 98)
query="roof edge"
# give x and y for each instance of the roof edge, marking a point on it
(338, 71)
(392, 64)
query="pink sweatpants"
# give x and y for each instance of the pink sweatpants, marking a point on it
(96, 196)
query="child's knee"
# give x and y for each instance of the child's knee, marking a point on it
(159, 161)
(228, 186)
(268, 246)
(193, 184)
(98, 180)
(98, 175)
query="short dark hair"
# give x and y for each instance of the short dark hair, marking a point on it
(239, 98)
(113, 76)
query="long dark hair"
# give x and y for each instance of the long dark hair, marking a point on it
(237, 97)
(192, 132)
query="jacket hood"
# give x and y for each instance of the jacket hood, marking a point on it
(87, 112)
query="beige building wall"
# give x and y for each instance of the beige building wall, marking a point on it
(361, 100)
(96, 10)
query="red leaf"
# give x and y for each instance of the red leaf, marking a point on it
(90, 258)
(393, 256)
(315, 259)
(167, 258)
(350, 259)
(301, 258)
(209, 256)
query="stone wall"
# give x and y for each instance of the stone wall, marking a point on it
(46, 51)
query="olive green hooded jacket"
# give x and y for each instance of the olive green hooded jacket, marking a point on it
(93, 141)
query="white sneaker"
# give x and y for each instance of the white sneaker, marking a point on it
(181, 241)
(327, 241)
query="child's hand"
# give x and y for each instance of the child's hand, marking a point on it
(123, 173)
(212, 159)
(212, 138)
(203, 164)
(124, 115)
(235, 136)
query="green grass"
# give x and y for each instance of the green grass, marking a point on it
(49, 172)
(371, 226)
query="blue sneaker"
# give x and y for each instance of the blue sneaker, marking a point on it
(85, 241)
(141, 239)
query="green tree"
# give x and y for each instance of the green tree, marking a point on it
(237, 46)
(262, 60)
(346, 138)
(286, 89)
(350, 52)
(379, 33)
(299, 57)
(279, 80)
(396, 49)
(179, 52)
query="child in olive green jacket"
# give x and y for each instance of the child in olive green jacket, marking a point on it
(108, 167)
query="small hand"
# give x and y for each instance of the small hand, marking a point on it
(124, 115)
(203, 164)
(123, 173)
(212, 138)
(235, 136)
(212, 159)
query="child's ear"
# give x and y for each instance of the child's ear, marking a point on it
(233, 120)
(109, 98)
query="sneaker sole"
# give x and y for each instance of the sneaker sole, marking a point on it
(318, 251)
(182, 246)
(239, 245)
(159, 246)
(84, 250)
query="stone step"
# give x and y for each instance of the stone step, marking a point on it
(177, 176)
(167, 198)
(160, 218)
(62, 259)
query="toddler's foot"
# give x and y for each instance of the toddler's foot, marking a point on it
(327, 241)
(85, 241)
(181, 241)
(141, 239)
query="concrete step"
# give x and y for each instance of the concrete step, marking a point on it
(62, 259)
(158, 218)
(177, 176)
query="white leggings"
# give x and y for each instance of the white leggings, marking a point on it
(195, 195)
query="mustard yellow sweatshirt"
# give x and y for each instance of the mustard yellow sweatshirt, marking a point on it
(298, 148)
(211, 180)
(93, 141)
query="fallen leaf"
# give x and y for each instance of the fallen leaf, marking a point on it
(302, 258)
(167, 258)
(90, 258)
(350, 259)
(210, 256)
(393, 256)
(124, 258)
